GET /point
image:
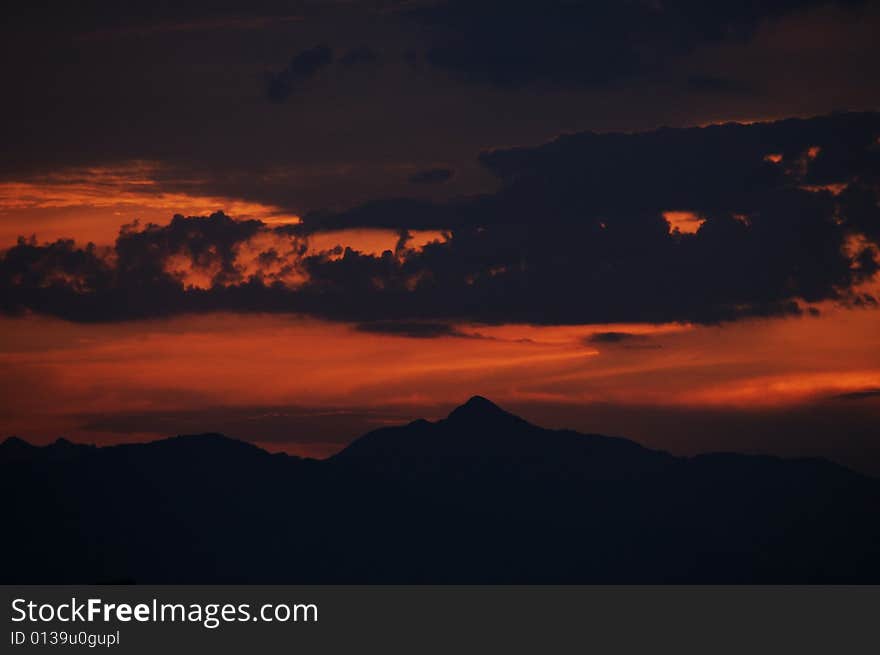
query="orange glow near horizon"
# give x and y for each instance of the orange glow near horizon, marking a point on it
(56, 373)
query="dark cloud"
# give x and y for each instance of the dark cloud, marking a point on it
(432, 176)
(303, 67)
(714, 169)
(574, 234)
(859, 203)
(308, 64)
(360, 56)
(351, 133)
(860, 395)
(626, 340)
(613, 337)
(711, 84)
(396, 214)
(610, 337)
(412, 329)
(579, 44)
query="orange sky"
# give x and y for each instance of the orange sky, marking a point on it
(54, 373)
(176, 114)
(56, 377)
(90, 204)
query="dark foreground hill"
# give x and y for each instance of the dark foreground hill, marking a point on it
(479, 497)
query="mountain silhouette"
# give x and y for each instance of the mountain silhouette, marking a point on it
(481, 496)
(481, 437)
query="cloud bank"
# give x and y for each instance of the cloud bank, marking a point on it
(583, 44)
(575, 234)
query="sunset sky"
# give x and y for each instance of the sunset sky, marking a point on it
(292, 222)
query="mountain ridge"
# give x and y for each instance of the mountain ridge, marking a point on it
(477, 412)
(480, 496)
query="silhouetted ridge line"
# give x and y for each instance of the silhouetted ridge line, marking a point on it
(480, 437)
(15, 449)
(481, 496)
(15, 442)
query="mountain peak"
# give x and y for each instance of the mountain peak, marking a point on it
(14, 449)
(479, 409)
(480, 401)
(15, 442)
